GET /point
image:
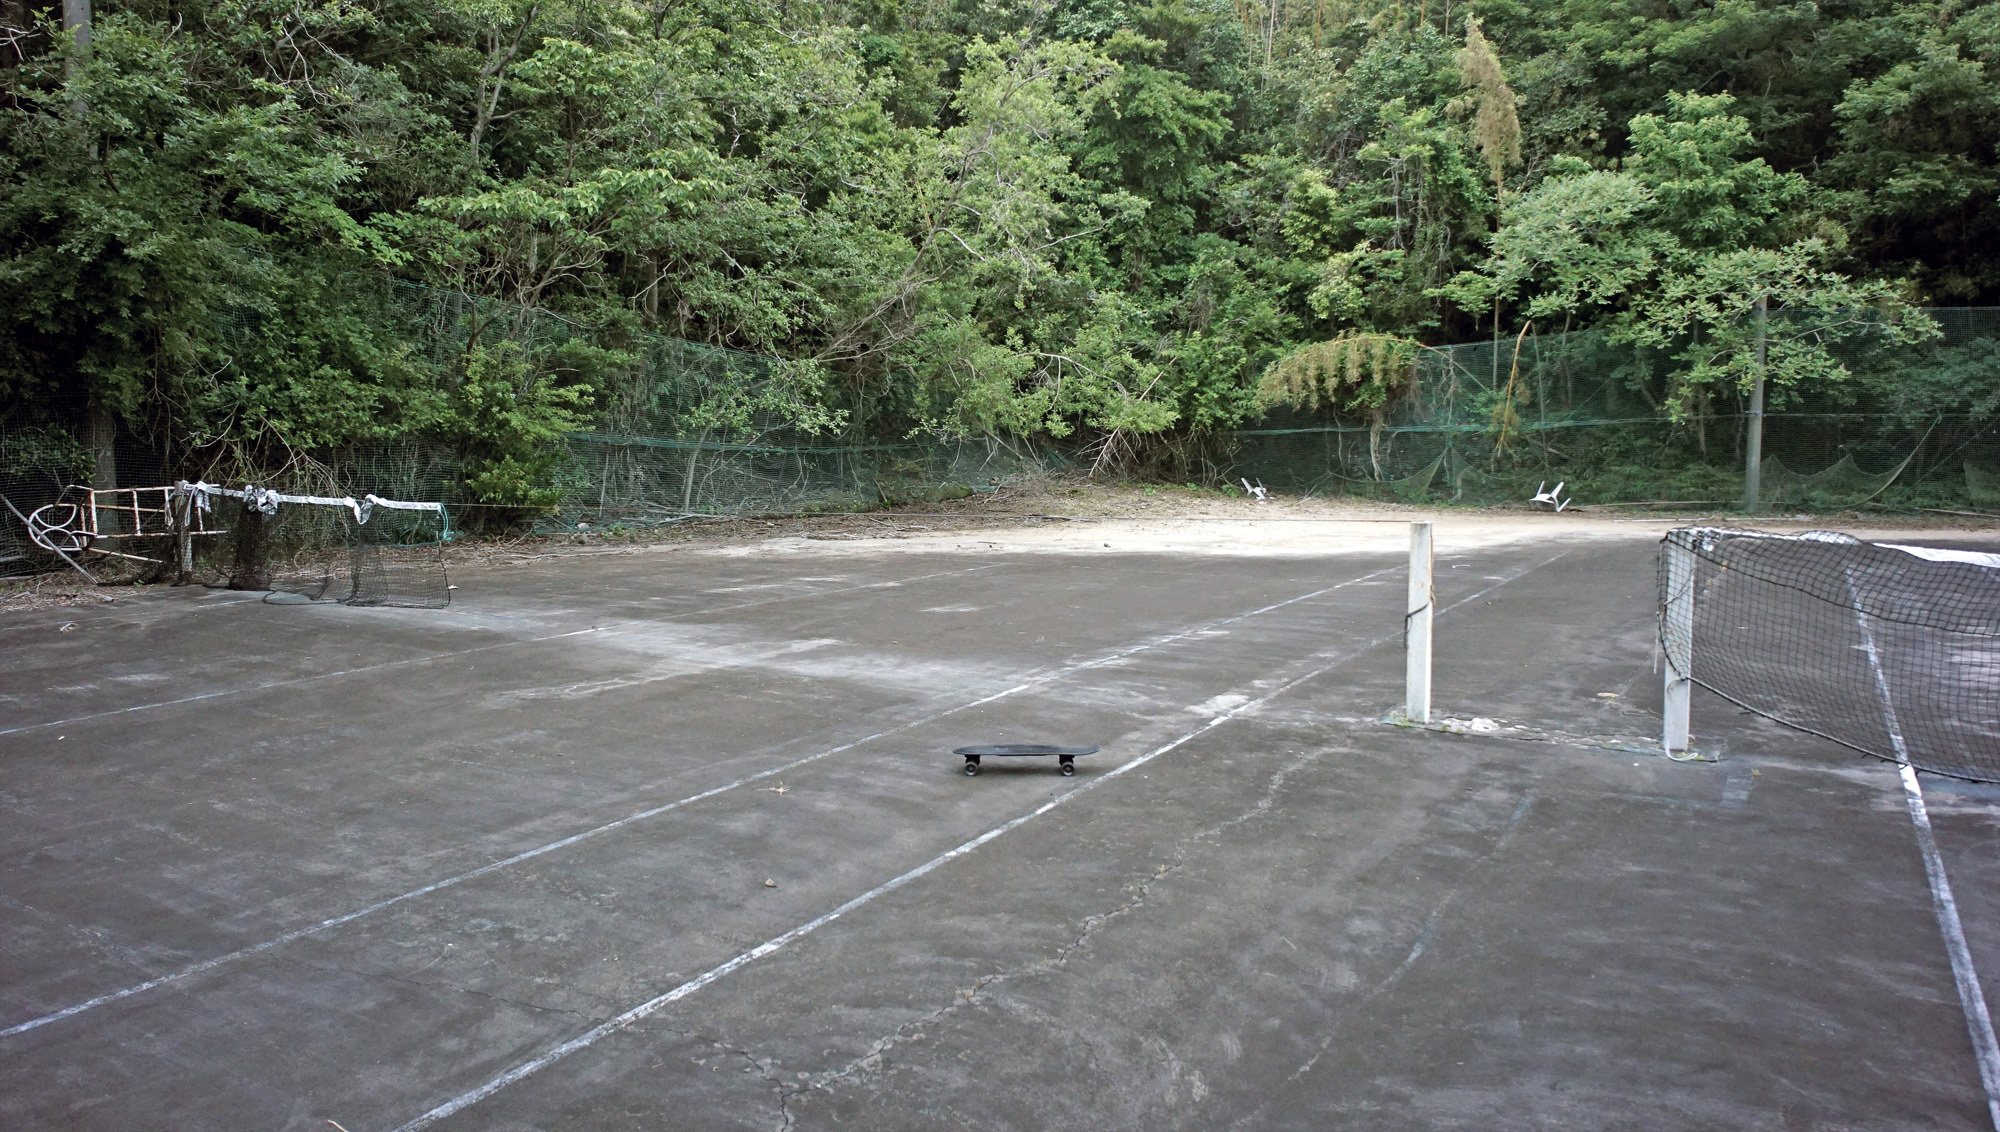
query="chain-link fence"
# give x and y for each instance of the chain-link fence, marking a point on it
(679, 429)
(1911, 426)
(684, 429)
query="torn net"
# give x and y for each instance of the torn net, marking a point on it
(366, 551)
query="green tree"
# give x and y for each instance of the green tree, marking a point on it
(1676, 249)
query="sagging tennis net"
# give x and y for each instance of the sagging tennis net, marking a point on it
(365, 551)
(1891, 650)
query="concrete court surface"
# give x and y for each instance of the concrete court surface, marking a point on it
(510, 865)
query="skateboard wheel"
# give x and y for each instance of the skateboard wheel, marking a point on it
(1069, 769)
(972, 768)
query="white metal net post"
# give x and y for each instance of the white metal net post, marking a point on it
(1677, 641)
(1417, 627)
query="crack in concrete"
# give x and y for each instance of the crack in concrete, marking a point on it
(1422, 943)
(1137, 893)
(765, 1068)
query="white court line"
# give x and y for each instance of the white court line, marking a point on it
(563, 843)
(652, 1006)
(1971, 996)
(614, 631)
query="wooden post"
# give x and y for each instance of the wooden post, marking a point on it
(1677, 641)
(1417, 628)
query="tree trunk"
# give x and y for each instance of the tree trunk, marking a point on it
(487, 103)
(17, 24)
(103, 427)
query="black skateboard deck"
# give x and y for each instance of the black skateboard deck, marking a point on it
(1068, 755)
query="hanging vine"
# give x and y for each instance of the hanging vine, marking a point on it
(1357, 374)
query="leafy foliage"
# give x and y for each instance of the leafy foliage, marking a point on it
(1356, 374)
(1130, 223)
(511, 421)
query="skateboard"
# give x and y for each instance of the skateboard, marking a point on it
(1068, 755)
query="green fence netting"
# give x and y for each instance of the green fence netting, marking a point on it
(671, 438)
(1910, 427)
(1482, 423)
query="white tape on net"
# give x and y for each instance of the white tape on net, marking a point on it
(1707, 536)
(1940, 554)
(266, 500)
(401, 505)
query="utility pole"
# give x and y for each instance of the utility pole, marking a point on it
(76, 19)
(1753, 456)
(102, 425)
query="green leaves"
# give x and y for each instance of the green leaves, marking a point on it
(1104, 222)
(1576, 244)
(1677, 249)
(1705, 315)
(510, 419)
(147, 218)
(1707, 193)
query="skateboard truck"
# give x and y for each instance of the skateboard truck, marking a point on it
(1067, 755)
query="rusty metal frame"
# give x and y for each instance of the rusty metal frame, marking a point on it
(88, 516)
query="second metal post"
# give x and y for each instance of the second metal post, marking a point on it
(1417, 628)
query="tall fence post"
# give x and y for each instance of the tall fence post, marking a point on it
(1417, 628)
(1753, 451)
(1677, 641)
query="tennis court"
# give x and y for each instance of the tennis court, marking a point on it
(674, 839)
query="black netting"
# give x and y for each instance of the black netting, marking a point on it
(397, 558)
(1892, 651)
(17, 554)
(320, 551)
(32, 476)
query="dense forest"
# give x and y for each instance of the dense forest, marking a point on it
(1122, 222)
